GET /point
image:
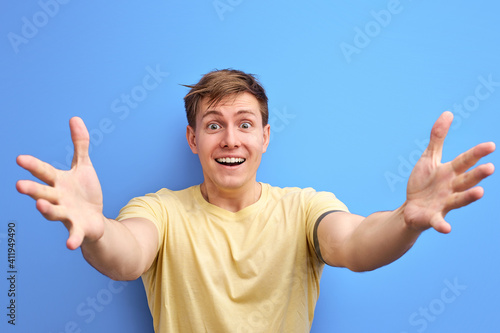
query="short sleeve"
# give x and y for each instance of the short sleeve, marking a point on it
(149, 207)
(317, 206)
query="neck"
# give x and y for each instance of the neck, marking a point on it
(232, 200)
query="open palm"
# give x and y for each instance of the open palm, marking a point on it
(435, 188)
(73, 197)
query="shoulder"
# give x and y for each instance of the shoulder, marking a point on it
(166, 194)
(160, 199)
(307, 197)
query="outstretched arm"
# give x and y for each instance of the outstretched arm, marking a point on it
(434, 189)
(120, 250)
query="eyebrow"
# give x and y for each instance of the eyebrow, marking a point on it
(218, 113)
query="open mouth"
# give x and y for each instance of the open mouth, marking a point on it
(230, 161)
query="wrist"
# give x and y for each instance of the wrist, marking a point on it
(97, 229)
(407, 212)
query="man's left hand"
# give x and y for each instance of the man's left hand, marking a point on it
(435, 188)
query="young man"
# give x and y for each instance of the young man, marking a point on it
(233, 254)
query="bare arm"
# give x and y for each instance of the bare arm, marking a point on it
(126, 249)
(120, 250)
(361, 244)
(364, 244)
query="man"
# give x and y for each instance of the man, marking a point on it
(233, 254)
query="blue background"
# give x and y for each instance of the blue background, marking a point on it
(354, 90)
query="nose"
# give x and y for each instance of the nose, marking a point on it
(230, 138)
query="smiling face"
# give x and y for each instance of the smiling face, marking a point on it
(229, 139)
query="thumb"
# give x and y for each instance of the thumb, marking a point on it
(438, 134)
(80, 138)
(440, 225)
(75, 239)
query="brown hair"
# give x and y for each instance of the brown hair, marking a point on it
(219, 84)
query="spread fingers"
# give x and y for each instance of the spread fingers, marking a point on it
(466, 160)
(471, 178)
(50, 211)
(41, 170)
(37, 191)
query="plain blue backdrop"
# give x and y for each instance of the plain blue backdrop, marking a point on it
(353, 92)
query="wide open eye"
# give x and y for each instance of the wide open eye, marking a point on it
(213, 126)
(246, 125)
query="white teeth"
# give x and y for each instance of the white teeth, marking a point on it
(230, 160)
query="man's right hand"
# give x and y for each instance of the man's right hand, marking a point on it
(73, 197)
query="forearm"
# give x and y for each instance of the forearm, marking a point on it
(117, 254)
(380, 239)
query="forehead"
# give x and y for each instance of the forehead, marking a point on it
(234, 102)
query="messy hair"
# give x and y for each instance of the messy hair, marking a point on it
(219, 84)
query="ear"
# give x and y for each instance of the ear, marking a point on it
(267, 136)
(191, 139)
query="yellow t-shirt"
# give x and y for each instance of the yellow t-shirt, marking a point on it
(255, 270)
